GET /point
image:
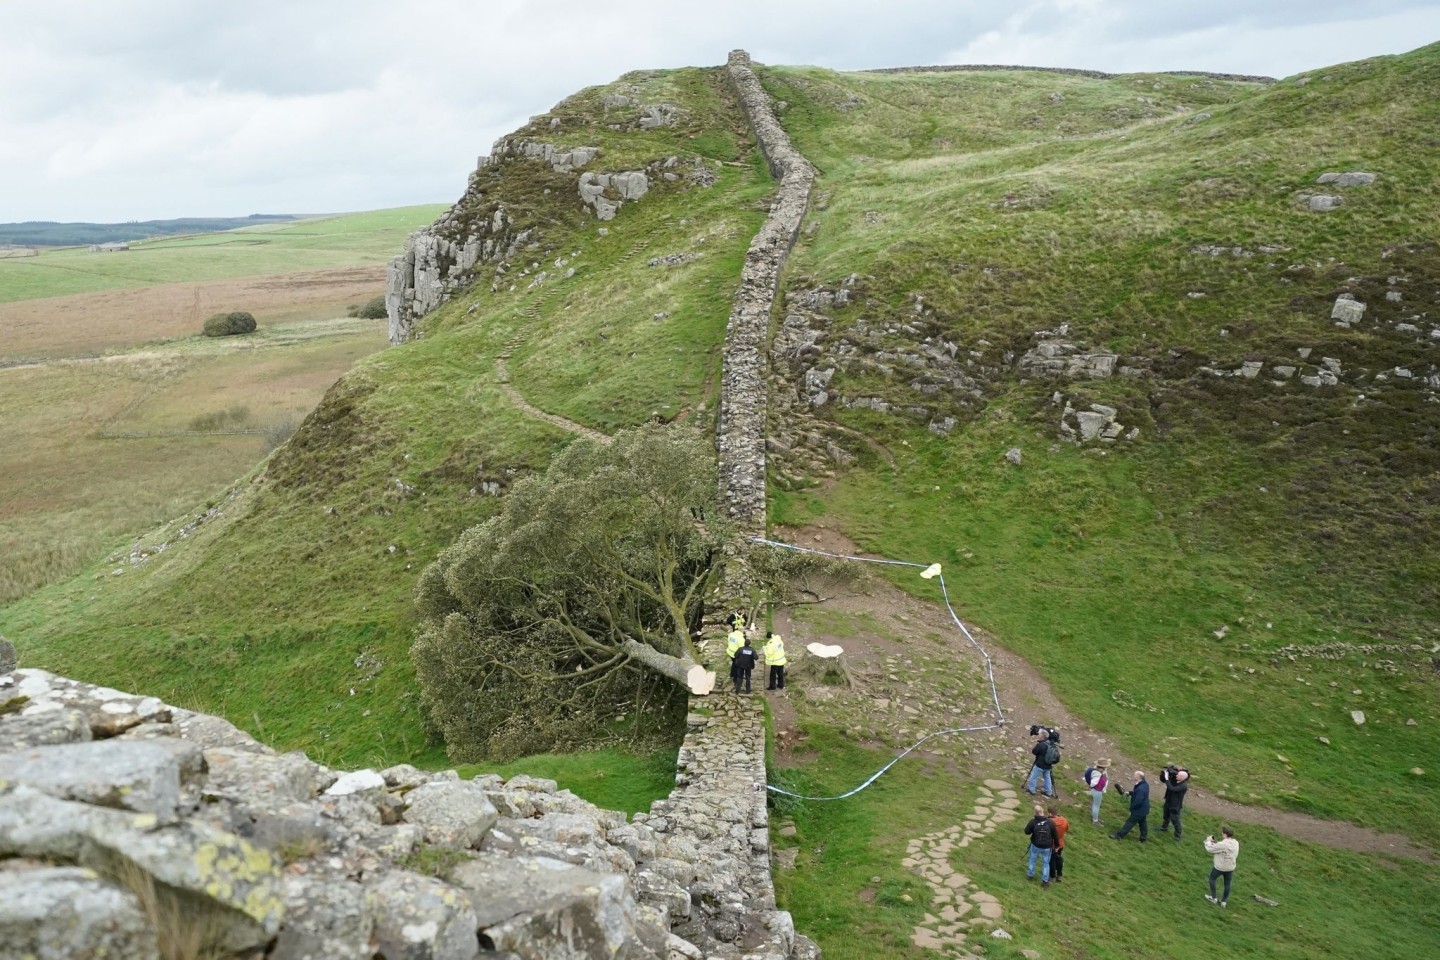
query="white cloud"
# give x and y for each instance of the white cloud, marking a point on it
(156, 108)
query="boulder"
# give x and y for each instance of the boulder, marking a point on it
(70, 913)
(238, 885)
(454, 815)
(1324, 203)
(420, 918)
(125, 775)
(8, 660)
(1347, 310)
(542, 909)
(327, 917)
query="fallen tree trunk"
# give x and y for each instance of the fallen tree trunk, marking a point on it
(688, 673)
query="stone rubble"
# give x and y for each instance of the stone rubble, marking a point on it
(105, 793)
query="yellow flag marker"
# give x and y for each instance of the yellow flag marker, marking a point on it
(931, 572)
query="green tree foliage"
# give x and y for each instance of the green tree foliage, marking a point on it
(581, 595)
(372, 309)
(230, 324)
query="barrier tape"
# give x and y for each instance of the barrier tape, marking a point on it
(945, 594)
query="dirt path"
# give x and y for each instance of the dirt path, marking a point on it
(502, 377)
(1024, 694)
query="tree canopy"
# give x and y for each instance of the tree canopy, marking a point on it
(582, 593)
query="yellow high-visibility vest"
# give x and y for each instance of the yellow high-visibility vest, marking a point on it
(736, 641)
(775, 651)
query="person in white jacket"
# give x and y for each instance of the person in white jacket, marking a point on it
(1226, 852)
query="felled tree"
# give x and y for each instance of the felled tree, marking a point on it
(589, 581)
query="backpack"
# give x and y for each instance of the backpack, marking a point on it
(1096, 779)
(1043, 834)
(1052, 752)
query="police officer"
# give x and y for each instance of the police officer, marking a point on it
(775, 658)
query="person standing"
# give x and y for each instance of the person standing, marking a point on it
(1057, 859)
(1139, 807)
(744, 662)
(1226, 852)
(1042, 845)
(1176, 780)
(1097, 778)
(775, 660)
(733, 643)
(1047, 753)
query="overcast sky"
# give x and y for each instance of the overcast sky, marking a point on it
(146, 109)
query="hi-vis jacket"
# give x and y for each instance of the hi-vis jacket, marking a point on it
(736, 641)
(775, 651)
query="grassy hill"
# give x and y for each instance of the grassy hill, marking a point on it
(1223, 588)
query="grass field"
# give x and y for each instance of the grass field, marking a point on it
(347, 240)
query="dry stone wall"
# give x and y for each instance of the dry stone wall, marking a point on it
(1070, 71)
(741, 438)
(115, 806)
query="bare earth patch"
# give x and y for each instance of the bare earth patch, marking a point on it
(93, 322)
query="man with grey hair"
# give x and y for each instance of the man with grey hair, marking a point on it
(1139, 807)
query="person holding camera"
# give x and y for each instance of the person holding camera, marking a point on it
(1047, 754)
(1139, 807)
(1097, 778)
(1226, 852)
(1177, 781)
(1041, 832)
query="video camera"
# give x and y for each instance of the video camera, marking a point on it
(1051, 732)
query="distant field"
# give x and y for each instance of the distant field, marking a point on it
(307, 245)
(87, 323)
(99, 450)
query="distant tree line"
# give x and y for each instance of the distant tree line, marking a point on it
(41, 233)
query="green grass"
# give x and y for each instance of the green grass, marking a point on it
(850, 891)
(313, 564)
(340, 241)
(612, 779)
(1286, 515)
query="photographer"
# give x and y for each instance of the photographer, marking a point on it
(1047, 754)
(1041, 832)
(1139, 807)
(1177, 781)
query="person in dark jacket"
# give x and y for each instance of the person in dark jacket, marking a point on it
(1177, 781)
(1139, 807)
(743, 664)
(1041, 832)
(1046, 752)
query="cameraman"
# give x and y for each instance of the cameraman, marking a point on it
(1177, 781)
(1046, 752)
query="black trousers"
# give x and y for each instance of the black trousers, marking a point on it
(1227, 874)
(1142, 819)
(1057, 863)
(777, 678)
(742, 675)
(1171, 816)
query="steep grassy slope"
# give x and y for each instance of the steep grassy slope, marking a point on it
(289, 609)
(1213, 590)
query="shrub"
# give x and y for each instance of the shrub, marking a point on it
(374, 309)
(230, 324)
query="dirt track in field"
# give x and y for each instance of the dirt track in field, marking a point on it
(94, 322)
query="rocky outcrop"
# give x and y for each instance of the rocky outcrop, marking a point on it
(741, 436)
(179, 822)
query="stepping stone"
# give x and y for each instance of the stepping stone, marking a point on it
(955, 881)
(944, 869)
(990, 911)
(949, 914)
(972, 817)
(926, 939)
(1000, 785)
(980, 896)
(963, 879)
(965, 842)
(909, 862)
(984, 801)
(1010, 803)
(932, 921)
(1008, 793)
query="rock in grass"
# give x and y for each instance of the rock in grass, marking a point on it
(1358, 716)
(1418, 771)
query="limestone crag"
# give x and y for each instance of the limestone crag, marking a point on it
(276, 855)
(743, 396)
(717, 823)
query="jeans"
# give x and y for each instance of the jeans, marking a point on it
(1142, 819)
(1227, 874)
(1035, 773)
(1044, 855)
(1172, 816)
(777, 677)
(1095, 797)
